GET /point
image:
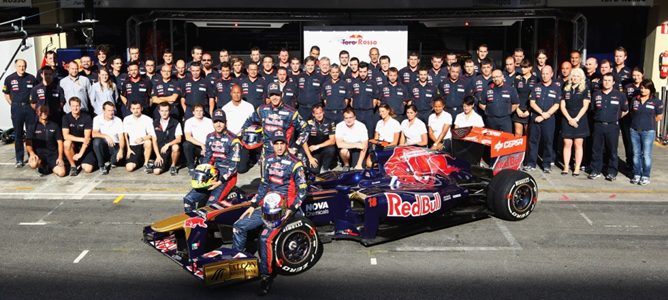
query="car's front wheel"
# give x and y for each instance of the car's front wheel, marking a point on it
(512, 195)
(297, 247)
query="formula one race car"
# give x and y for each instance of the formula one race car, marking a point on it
(409, 190)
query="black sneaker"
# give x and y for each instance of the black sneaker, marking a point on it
(594, 175)
(104, 171)
(547, 170)
(74, 171)
(610, 177)
(173, 170)
(265, 284)
(190, 172)
(148, 169)
(19, 164)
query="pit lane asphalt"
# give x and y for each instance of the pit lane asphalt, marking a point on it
(564, 250)
(586, 239)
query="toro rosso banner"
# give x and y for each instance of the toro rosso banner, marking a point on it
(390, 40)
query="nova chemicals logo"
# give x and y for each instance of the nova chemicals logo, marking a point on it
(358, 39)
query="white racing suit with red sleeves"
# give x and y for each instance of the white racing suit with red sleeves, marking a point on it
(222, 152)
(284, 175)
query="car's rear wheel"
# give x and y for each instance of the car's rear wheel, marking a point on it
(512, 195)
(297, 247)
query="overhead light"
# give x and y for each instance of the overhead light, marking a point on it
(229, 24)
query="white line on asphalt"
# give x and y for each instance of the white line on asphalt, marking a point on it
(621, 226)
(509, 236)
(448, 249)
(583, 215)
(587, 219)
(374, 261)
(33, 223)
(41, 220)
(80, 257)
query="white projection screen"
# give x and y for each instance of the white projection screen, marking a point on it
(390, 40)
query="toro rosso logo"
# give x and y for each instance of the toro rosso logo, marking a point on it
(423, 205)
(357, 39)
(195, 222)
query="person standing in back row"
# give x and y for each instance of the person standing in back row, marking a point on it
(17, 88)
(609, 106)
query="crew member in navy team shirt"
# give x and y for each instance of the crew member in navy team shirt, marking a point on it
(609, 105)
(498, 101)
(309, 86)
(17, 89)
(335, 95)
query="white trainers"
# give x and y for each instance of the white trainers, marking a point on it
(644, 180)
(635, 180)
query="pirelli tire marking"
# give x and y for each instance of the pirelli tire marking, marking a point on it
(517, 185)
(297, 248)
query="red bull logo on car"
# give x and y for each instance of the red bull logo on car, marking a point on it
(424, 204)
(194, 223)
(358, 39)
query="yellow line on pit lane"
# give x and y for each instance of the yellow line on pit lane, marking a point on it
(119, 198)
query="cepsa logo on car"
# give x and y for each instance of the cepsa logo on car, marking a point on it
(508, 144)
(357, 39)
(423, 205)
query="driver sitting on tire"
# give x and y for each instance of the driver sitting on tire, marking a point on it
(283, 174)
(216, 178)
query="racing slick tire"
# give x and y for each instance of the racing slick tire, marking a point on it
(512, 195)
(297, 247)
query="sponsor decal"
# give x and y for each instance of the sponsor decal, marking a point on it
(212, 254)
(424, 204)
(194, 223)
(521, 181)
(508, 144)
(316, 208)
(293, 225)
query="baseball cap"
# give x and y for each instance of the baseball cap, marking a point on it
(219, 115)
(278, 135)
(273, 89)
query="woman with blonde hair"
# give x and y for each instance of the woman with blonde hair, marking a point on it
(102, 91)
(574, 126)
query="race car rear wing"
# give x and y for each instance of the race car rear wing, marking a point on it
(474, 144)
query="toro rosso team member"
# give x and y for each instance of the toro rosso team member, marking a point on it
(277, 116)
(222, 153)
(283, 174)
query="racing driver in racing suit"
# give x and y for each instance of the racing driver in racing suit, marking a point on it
(277, 116)
(222, 152)
(283, 174)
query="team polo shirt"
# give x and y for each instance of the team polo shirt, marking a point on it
(138, 127)
(413, 132)
(436, 123)
(387, 129)
(45, 136)
(354, 134)
(472, 120)
(643, 115)
(77, 126)
(199, 128)
(112, 128)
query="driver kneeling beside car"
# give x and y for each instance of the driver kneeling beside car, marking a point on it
(214, 179)
(281, 192)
